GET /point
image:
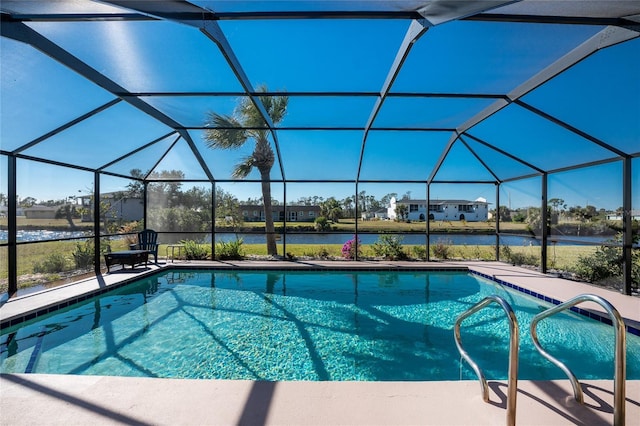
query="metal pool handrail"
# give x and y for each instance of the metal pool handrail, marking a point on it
(514, 340)
(620, 351)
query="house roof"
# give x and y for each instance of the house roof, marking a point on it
(40, 208)
(439, 202)
(278, 206)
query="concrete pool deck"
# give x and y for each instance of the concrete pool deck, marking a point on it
(67, 399)
(93, 400)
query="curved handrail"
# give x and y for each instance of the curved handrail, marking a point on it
(620, 351)
(514, 341)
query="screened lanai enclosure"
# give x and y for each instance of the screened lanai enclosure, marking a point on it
(423, 130)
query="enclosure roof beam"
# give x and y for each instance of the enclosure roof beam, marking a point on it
(187, 137)
(618, 21)
(583, 165)
(67, 125)
(437, 12)
(151, 169)
(213, 31)
(25, 34)
(555, 19)
(414, 32)
(21, 32)
(570, 128)
(135, 151)
(484, 164)
(517, 178)
(53, 162)
(443, 156)
(203, 19)
(609, 36)
(319, 94)
(505, 153)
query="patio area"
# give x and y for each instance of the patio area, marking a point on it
(70, 399)
(64, 400)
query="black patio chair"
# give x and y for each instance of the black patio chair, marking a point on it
(147, 240)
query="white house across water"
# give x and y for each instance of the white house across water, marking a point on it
(471, 211)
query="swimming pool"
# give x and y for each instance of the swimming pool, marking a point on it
(311, 325)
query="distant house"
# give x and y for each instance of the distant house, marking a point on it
(255, 213)
(471, 211)
(40, 212)
(635, 215)
(116, 207)
(4, 211)
(378, 214)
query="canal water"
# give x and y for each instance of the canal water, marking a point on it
(320, 239)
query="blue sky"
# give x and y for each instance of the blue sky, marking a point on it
(600, 95)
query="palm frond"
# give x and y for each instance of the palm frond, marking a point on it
(225, 132)
(276, 107)
(251, 116)
(243, 168)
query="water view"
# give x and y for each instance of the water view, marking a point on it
(314, 238)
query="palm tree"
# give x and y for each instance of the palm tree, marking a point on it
(331, 209)
(233, 131)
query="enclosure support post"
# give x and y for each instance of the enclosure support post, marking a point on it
(627, 231)
(12, 226)
(355, 238)
(213, 221)
(145, 186)
(284, 220)
(544, 216)
(498, 221)
(428, 223)
(96, 222)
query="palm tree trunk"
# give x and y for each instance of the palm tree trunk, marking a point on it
(69, 216)
(272, 249)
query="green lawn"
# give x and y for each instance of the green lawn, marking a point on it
(348, 225)
(31, 255)
(33, 258)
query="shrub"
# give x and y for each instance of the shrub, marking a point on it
(317, 253)
(505, 253)
(322, 224)
(194, 250)
(322, 253)
(131, 229)
(389, 247)
(519, 217)
(523, 259)
(351, 248)
(83, 255)
(606, 262)
(516, 258)
(420, 252)
(229, 250)
(55, 262)
(442, 249)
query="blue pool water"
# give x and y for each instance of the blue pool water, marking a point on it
(305, 326)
